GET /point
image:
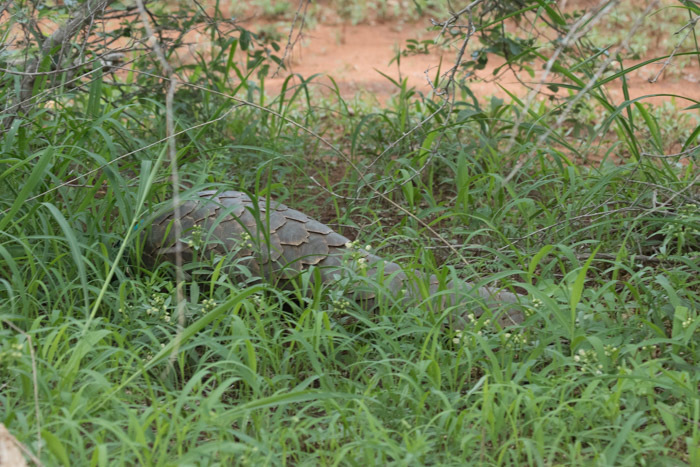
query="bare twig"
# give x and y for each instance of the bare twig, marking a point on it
(46, 92)
(300, 16)
(687, 153)
(591, 82)
(689, 27)
(61, 36)
(687, 199)
(295, 124)
(181, 306)
(447, 93)
(101, 58)
(577, 30)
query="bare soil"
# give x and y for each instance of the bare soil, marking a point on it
(354, 56)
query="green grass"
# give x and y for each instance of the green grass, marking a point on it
(98, 368)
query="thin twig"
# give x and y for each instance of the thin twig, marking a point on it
(687, 153)
(181, 306)
(644, 212)
(577, 30)
(591, 82)
(447, 93)
(100, 58)
(291, 43)
(689, 27)
(61, 36)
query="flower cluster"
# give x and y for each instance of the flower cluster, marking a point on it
(358, 254)
(208, 305)
(257, 299)
(353, 246)
(196, 240)
(159, 304)
(341, 305)
(513, 340)
(610, 350)
(687, 322)
(536, 304)
(460, 337)
(588, 359)
(149, 355)
(472, 318)
(246, 241)
(11, 352)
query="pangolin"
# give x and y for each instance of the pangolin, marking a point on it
(277, 243)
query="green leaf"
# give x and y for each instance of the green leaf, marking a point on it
(187, 333)
(578, 286)
(425, 147)
(56, 447)
(537, 258)
(680, 315)
(621, 437)
(37, 175)
(252, 360)
(94, 109)
(75, 249)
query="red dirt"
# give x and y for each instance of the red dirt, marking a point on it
(352, 55)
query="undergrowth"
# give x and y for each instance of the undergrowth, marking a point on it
(598, 230)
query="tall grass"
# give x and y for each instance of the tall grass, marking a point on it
(603, 371)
